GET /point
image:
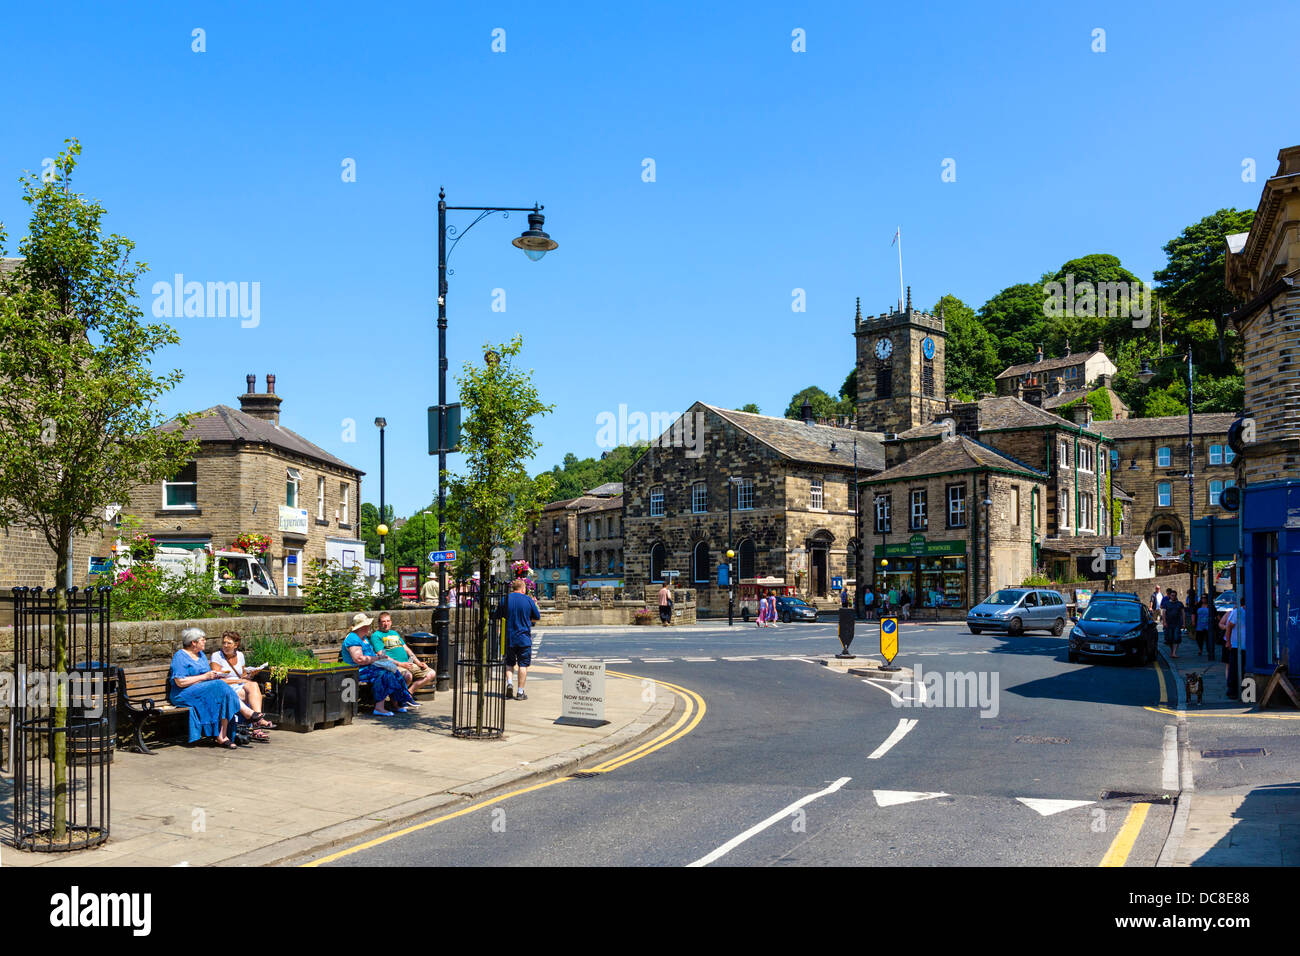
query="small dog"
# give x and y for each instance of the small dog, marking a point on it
(1195, 685)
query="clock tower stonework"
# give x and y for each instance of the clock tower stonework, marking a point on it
(900, 365)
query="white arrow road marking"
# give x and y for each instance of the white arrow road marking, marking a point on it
(1047, 807)
(904, 725)
(760, 827)
(890, 798)
(891, 693)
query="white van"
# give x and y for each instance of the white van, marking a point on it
(240, 573)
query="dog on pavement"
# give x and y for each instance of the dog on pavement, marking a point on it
(1195, 685)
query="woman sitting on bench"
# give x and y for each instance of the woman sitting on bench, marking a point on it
(385, 679)
(194, 684)
(229, 663)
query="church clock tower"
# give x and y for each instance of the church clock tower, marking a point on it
(900, 358)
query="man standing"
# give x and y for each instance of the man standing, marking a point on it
(394, 646)
(1172, 616)
(1157, 599)
(429, 593)
(521, 611)
(665, 605)
(1231, 625)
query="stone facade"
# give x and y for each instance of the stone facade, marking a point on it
(559, 544)
(601, 541)
(1152, 469)
(900, 386)
(1051, 377)
(241, 480)
(791, 520)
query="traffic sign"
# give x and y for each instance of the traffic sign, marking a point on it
(889, 639)
(441, 557)
(1114, 552)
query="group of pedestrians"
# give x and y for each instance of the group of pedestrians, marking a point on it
(1211, 628)
(885, 603)
(768, 613)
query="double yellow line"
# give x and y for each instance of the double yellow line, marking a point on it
(688, 721)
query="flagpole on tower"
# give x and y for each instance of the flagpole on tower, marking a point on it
(898, 238)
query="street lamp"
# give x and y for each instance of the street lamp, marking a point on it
(381, 424)
(535, 243)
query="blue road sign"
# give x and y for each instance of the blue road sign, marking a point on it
(440, 557)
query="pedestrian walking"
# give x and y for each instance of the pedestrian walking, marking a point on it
(905, 600)
(521, 612)
(868, 599)
(1156, 600)
(762, 611)
(665, 605)
(1230, 623)
(1203, 614)
(1173, 616)
(844, 597)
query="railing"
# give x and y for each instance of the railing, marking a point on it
(479, 689)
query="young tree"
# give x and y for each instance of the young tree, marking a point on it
(78, 423)
(499, 498)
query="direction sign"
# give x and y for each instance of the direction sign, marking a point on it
(889, 639)
(441, 557)
(1114, 552)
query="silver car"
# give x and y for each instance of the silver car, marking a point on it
(1016, 610)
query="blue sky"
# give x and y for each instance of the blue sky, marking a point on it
(774, 170)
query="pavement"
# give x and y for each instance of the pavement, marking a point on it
(1240, 775)
(300, 794)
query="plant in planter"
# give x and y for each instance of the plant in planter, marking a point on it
(305, 692)
(642, 616)
(250, 542)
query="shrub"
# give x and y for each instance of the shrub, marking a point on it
(145, 592)
(330, 588)
(280, 654)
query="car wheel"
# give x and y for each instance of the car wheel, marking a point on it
(976, 630)
(785, 617)
(1015, 627)
(1059, 627)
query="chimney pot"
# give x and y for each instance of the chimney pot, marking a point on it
(270, 383)
(252, 382)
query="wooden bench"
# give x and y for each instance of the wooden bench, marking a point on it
(334, 654)
(141, 695)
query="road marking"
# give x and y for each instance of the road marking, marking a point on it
(901, 731)
(1164, 695)
(1169, 769)
(891, 798)
(697, 660)
(1045, 808)
(777, 817)
(1127, 836)
(685, 724)
(738, 658)
(1195, 713)
(617, 660)
(656, 660)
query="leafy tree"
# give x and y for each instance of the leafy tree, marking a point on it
(369, 522)
(329, 588)
(751, 408)
(1017, 322)
(849, 390)
(1192, 281)
(823, 406)
(580, 475)
(78, 426)
(499, 498)
(1083, 325)
(970, 354)
(1168, 400)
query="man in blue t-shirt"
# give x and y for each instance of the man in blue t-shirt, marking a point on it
(521, 611)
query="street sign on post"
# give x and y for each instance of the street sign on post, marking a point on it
(453, 428)
(442, 557)
(1114, 552)
(889, 642)
(723, 579)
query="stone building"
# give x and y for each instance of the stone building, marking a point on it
(553, 544)
(251, 474)
(1151, 464)
(1263, 268)
(792, 505)
(900, 366)
(601, 541)
(1068, 373)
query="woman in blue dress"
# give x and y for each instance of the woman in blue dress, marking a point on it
(386, 682)
(194, 684)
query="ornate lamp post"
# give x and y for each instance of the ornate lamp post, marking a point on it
(381, 424)
(535, 243)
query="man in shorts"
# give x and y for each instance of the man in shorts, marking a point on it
(418, 675)
(521, 612)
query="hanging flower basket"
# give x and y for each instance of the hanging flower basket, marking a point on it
(521, 568)
(143, 548)
(250, 542)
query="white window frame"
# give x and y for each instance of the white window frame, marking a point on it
(918, 520)
(816, 494)
(957, 514)
(1164, 549)
(1086, 513)
(1085, 459)
(882, 514)
(745, 495)
(1215, 493)
(320, 498)
(1164, 494)
(1064, 456)
(1063, 510)
(292, 479)
(1164, 457)
(657, 501)
(1216, 454)
(345, 495)
(194, 506)
(699, 498)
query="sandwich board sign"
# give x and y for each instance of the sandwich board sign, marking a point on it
(583, 694)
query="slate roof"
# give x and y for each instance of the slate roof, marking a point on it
(808, 443)
(1002, 411)
(1204, 423)
(221, 423)
(1119, 493)
(607, 490)
(1069, 395)
(1047, 365)
(960, 454)
(606, 504)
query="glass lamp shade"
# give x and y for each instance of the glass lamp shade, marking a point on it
(534, 241)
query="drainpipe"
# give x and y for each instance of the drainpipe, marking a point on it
(1076, 484)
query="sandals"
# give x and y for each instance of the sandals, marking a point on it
(261, 736)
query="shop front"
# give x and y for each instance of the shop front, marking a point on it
(932, 572)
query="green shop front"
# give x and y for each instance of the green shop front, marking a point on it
(932, 572)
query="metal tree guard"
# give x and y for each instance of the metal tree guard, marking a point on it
(479, 692)
(88, 688)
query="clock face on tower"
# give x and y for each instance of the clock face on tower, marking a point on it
(927, 347)
(884, 349)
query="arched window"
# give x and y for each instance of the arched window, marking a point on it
(658, 553)
(748, 559)
(700, 563)
(851, 561)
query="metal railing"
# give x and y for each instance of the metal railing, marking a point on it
(479, 689)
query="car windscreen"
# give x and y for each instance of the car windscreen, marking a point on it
(1114, 612)
(793, 600)
(1004, 597)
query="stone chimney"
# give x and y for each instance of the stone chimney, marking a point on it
(263, 405)
(1067, 349)
(1081, 414)
(806, 412)
(1034, 393)
(1039, 356)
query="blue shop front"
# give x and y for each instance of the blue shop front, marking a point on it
(1271, 564)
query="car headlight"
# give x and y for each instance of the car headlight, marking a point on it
(1077, 634)
(1136, 632)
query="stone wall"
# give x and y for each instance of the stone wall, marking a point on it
(1141, 482)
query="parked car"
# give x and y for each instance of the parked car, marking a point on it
(233, 572)
(1114, 596)
(1118, 630)
(1016, 610)
(1225, 601)
(794, 609)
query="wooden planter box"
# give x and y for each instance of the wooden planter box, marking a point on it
(307, 700)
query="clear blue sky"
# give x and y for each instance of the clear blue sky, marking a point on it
(775, 170)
